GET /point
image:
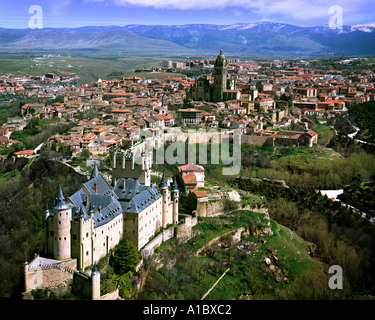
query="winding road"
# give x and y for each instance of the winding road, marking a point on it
(337, 195)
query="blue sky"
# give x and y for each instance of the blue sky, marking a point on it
(75, 13)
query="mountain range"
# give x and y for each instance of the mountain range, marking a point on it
(256, 39)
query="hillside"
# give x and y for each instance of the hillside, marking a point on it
(23, 197)
(259, 267)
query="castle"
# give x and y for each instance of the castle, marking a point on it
(217, 88)
(82, 228)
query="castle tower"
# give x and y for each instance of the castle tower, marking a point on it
(81, 259)
(175, 192)
(95, 283)
(26, 270)
(164, 188)
(220, 75)
(62, 224)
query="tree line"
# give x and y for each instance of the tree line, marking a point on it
(341, 235)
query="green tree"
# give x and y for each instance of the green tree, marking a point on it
(125, 257)
(85, 154)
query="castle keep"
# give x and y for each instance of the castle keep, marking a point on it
(82, 228)
(91, 222)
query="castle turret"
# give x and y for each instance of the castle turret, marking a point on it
(81, 258)
(62, 225)
(175, 196)
(26, 271)
(164, 188)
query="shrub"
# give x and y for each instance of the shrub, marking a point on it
(125, 257)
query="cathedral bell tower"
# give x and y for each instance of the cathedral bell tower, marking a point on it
(220, 75)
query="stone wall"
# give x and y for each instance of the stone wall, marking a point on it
(254, 140)
(158, 240)
(114, 295)
(215, 208)
(82, 284)
(184, 229)
(57, 277)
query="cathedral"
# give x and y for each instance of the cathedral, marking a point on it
(217, 88)
(89, 223)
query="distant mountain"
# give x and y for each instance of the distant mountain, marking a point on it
(256, 39)
(90, 40)
(267, 38)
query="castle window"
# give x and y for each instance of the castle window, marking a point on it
(87, 253)
(87, 234)
(64, 238)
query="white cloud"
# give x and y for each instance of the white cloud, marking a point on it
(301, 10)
(58, 8)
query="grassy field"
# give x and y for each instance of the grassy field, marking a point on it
(325, 133)
(89, 69)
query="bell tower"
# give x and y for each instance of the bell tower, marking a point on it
(220, 75)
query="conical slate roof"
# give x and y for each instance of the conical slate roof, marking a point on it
(175, 186)
(163, 184)
(60, 201)
(94, 172)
